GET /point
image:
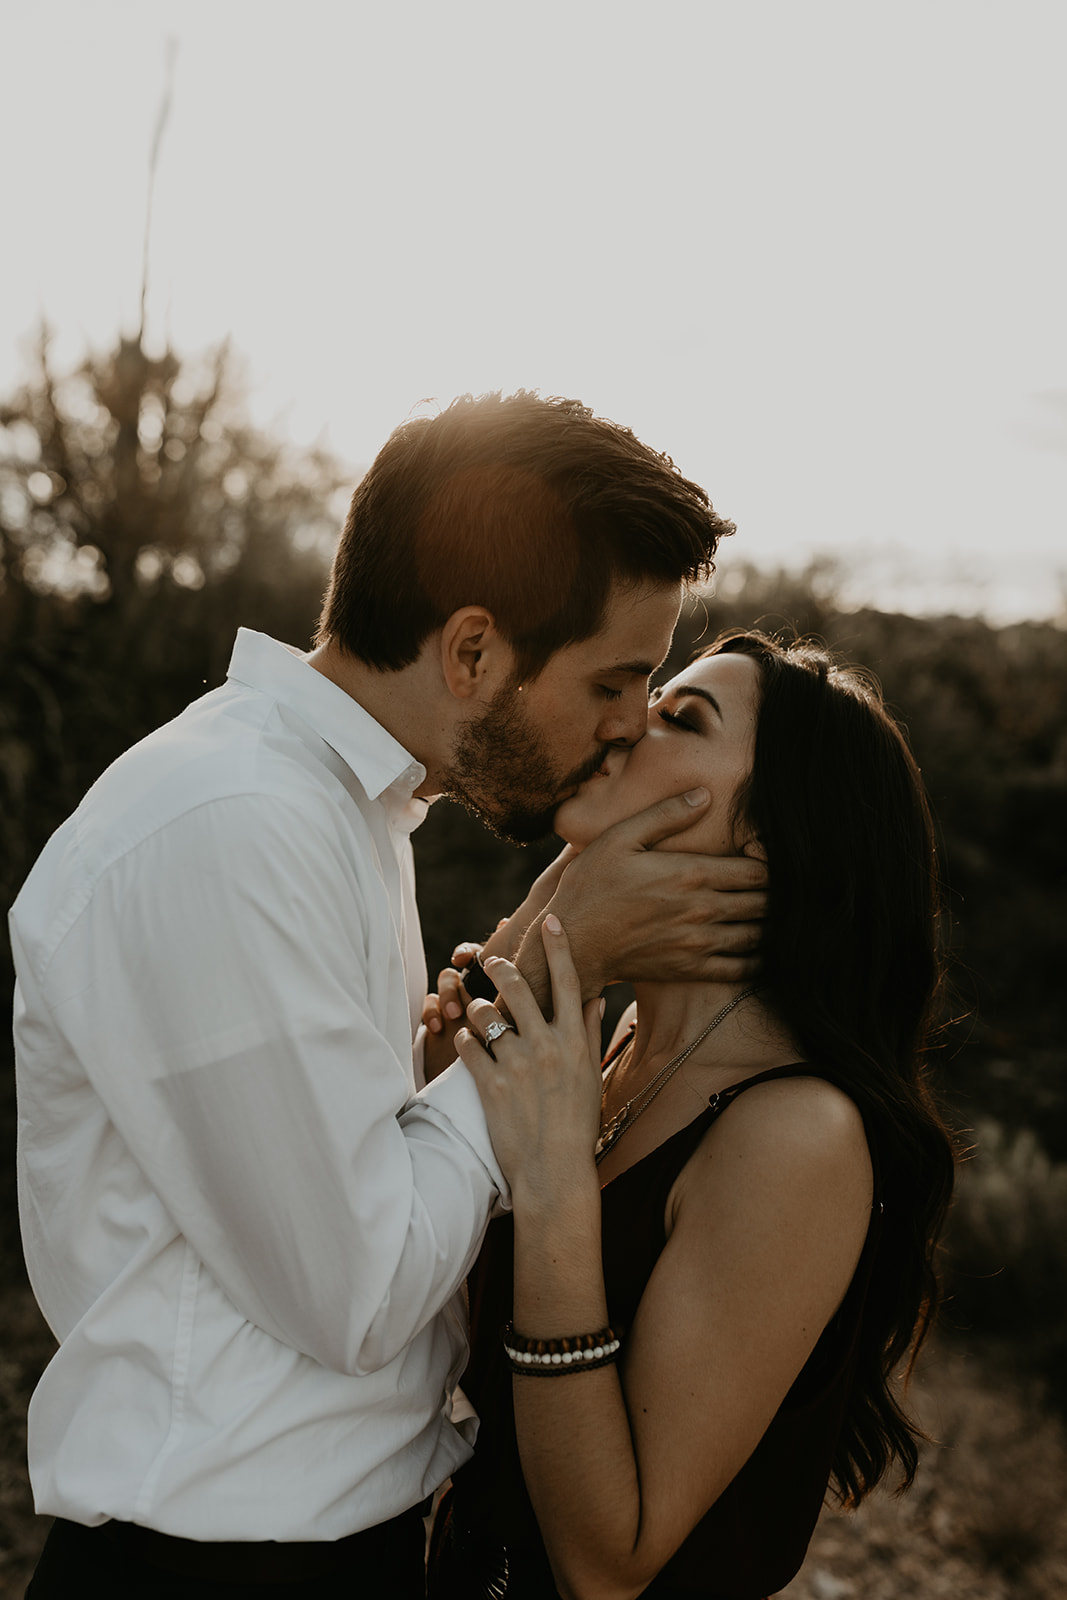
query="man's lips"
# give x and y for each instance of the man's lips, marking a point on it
(604, 770)
(577, 784)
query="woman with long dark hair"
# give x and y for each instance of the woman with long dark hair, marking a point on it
(721, 1250)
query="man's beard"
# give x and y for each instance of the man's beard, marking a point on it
(501, 772)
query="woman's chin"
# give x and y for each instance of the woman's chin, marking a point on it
(569, 830)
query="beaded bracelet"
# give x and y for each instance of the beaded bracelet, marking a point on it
(549, 1358)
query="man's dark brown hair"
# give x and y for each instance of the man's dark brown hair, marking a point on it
(534, 508)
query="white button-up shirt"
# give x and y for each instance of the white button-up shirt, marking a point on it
(249, 1256)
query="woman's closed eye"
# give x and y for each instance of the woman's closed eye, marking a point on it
(677, 721)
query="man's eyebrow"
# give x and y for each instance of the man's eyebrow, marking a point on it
(641, 669)
(701, 694)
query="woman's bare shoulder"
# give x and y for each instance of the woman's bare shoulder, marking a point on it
(787, 1137)
(803, 1111)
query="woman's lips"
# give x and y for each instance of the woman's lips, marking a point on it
(606, 768)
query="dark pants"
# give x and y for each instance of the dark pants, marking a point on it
(125, 1562)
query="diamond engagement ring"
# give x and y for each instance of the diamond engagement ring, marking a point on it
(495, 1029)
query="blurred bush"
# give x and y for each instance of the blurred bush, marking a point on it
(1007, 1255)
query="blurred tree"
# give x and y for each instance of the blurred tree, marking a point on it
(141, 517)
(136, 477)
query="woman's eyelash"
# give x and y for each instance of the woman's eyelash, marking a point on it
(675, 720)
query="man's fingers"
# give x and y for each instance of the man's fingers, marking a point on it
(735, 938)
(738, 906)
(657, 822)
(714, 875)
(731, 969)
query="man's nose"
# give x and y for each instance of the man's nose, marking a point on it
(626, 725)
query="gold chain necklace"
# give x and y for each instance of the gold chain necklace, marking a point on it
(612, 1132)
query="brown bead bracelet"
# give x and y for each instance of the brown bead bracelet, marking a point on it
(549, 1358)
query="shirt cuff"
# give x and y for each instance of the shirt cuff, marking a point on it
(452, 1102)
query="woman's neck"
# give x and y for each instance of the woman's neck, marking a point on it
(670, 1016)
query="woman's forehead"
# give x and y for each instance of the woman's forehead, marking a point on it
(730, 673)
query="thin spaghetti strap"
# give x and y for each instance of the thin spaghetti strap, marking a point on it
(795, 1069)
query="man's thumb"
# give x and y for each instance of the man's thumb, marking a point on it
(668, 816)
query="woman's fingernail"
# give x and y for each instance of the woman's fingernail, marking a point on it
(696, 797)
(434, 1024)
(553, 924)
(453, 1010)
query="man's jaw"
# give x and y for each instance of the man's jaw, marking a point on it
(529, 825)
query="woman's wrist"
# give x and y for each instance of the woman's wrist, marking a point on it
(559, 1279)
(557, 1197)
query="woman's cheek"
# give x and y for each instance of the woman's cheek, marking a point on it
(579, 822)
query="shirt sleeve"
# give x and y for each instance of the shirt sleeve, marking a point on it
(225, 987)
(448, 1109)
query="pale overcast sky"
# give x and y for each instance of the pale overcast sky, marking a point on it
(816, 250)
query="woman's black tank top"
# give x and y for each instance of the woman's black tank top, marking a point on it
(754, 1538)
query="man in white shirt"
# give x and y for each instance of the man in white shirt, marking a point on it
(249, 1250)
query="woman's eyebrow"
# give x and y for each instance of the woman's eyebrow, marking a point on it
(691, 688)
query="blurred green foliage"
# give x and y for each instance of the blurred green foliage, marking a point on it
(1007, 1254)
(142, 520)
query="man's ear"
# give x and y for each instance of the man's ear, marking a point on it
(475, 658)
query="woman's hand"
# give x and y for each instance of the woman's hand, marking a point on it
(541, 1084)
(443, 1010)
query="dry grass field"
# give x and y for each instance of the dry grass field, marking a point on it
(987, 1519)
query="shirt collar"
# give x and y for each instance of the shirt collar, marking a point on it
(378, 760)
